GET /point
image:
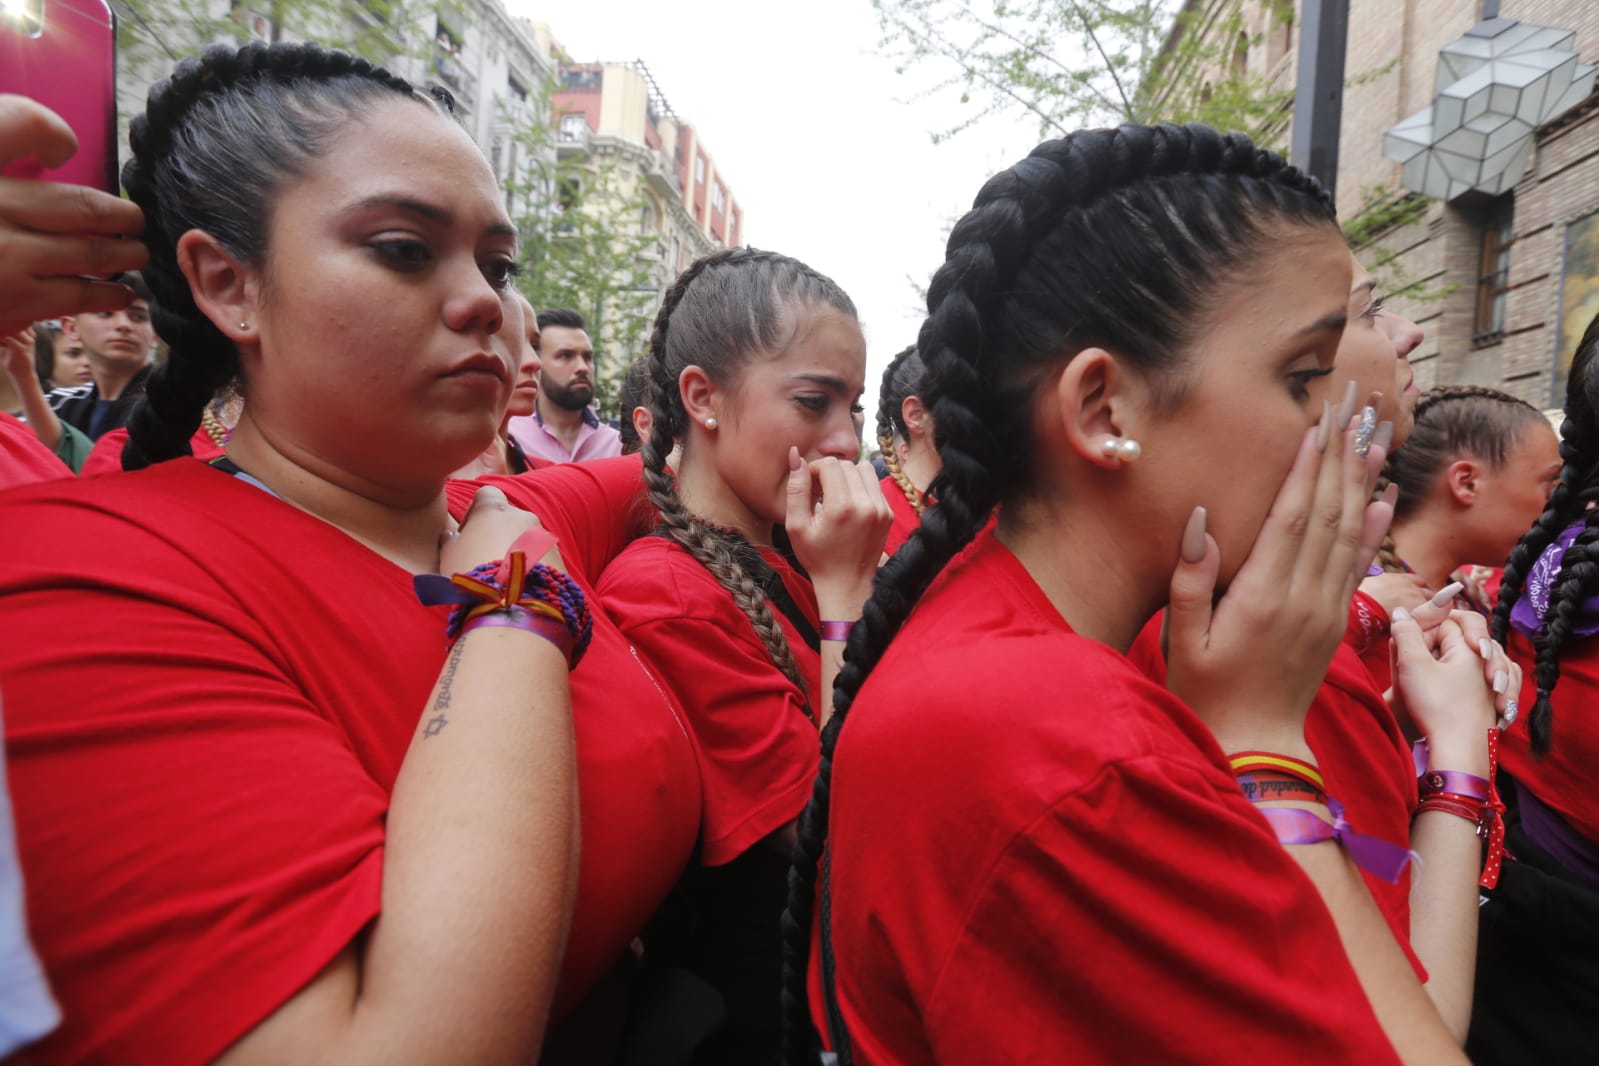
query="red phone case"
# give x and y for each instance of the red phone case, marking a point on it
(62, 53)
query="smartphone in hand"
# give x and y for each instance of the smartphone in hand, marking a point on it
(63, 54)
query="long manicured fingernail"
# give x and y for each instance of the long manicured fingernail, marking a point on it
(1390, 495)
(1401, 615)
(1485, 648)
(794, 460)
(1501, 682)
(1324, 427)
(1446, 595)
(1364, 430)
(1383, 437)
(1193, 548)
(1346, 407)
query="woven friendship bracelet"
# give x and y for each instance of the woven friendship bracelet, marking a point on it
(540, 592)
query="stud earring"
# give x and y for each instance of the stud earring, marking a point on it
(710, 423)
(244, 325)
(1127, 450)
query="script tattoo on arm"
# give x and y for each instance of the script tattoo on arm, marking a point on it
(435, 724)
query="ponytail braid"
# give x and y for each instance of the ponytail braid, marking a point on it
(729, 306)
(900, 381)
(216, 141)
(1107, 238)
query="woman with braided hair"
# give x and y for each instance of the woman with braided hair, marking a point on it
(1473, 476)
(768, 539)
(1538, 946)
(1032, 851)
(280, 816)
(905, 435)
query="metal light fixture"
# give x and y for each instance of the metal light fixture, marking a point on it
(1496, 85)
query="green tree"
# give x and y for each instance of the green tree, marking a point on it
(589, 241)
(1067, 64)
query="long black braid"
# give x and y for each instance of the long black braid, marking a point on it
(1569, 503)
(1108, 238)
(216, 141)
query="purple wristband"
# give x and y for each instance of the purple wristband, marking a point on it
(1295, 825)
(1434, 782)
(836, 630)
(556, 632)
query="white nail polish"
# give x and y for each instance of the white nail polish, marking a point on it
(1446, 595)
(1501, 682)
(1485, 648)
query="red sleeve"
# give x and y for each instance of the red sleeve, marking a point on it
(205, 838)
(596, 508)
(758, 747)
(1190, 929)
(1368, 767)
(23, 457)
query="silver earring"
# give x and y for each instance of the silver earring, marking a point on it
(710, 423)
(244, 325)
(1127, 450)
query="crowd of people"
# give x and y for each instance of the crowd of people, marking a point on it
(1186, 685)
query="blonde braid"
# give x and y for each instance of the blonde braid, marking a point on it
(896, 470)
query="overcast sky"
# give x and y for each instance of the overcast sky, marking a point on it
(820, 140)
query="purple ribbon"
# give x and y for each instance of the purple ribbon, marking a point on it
(1528, 613)
(1295, 825)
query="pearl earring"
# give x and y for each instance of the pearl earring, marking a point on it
(710, 423)
(244, 325)
(1127, 450)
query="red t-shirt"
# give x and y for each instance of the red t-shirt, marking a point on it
(23, 457)
(1039, 854)
(905, 517)
(1564, 778)
(208, 696)
(106, 455)
(758, 747)
(1362, 756)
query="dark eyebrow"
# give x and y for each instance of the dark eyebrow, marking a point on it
(432, 212)
(1367, 286)
(1332, 320)
(826, 381)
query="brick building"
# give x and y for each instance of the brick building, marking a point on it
(1484, 275)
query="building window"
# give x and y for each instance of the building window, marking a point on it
(447, 39)
(573, 127)
(646, 220)
(1493, 271)
(518, 90)
(699, 169)
(718, 201)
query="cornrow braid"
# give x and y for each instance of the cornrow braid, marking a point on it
(1449, 421)
(729, 306)
(218, 138)
(1109, 238)
(1570, 502)
(900, 381)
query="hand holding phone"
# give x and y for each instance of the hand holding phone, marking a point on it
(55, 240)
(62, 54)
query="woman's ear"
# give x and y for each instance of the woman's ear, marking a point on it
(225, 290)
(1461, 480)
(1093, 405)
(918, 421)
(701, 398)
